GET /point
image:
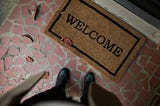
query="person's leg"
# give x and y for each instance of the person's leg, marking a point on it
(99, 96)
(55, 93)
(89, 78)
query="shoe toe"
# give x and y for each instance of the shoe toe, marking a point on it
(63, 77)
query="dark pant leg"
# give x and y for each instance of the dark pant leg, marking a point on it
(84, 99)
(55, 93)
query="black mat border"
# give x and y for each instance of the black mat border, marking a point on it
(114, 22)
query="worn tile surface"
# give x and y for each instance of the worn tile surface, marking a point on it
(134, 89)
(6, 6)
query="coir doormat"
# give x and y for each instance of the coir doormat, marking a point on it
(101, 39)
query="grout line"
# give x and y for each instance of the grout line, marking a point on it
(9, 13)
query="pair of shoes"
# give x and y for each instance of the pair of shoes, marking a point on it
(63, 78)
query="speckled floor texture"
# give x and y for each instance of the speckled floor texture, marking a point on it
(134, 89)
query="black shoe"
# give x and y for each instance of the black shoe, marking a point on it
(89, 78)
(63, 78)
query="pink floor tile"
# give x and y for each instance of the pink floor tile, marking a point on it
(134, 89)
(5, 40)
(155, 59)
(3, 51)
(3, 80)
(13, 51)
(31, 30)
(1, 66)
(6, 27)
(16, 13)
(58, 50)
(52, 58)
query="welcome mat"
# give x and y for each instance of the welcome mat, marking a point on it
(101, 39)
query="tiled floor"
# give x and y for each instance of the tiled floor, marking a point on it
(134, 89)
(6, 6)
